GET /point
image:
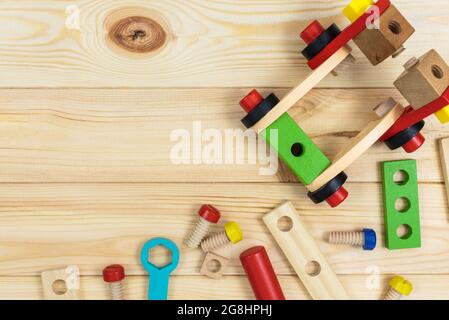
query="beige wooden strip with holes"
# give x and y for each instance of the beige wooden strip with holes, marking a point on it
(444, 154)
(301, 250)
(302, 89)
(357, 146)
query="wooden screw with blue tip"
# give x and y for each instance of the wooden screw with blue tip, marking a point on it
(367, 238)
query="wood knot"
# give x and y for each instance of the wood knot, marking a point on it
(138, 34)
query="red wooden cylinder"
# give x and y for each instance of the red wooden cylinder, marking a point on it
(261, 274)
(312, 31)
(338, 197)
(252, 100)
(414, 144)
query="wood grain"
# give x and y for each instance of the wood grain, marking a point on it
(49, 226)
(84, 135)
(231, 288)
(224, 43)
(85, 172)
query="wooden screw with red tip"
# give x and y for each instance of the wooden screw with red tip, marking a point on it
(208, 216)
(114, 276)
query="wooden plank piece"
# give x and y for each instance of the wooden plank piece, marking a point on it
(302, 252)
(302, 89)
(357, 146)
(444, 155)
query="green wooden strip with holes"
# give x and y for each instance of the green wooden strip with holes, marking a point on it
(401, 201)
(284, 135)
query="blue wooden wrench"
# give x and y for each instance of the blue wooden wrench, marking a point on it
(159, 277)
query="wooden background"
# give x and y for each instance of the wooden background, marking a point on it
(85, 172)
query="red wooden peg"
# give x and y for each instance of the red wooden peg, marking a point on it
(261, 274)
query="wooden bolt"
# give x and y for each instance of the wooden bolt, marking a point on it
(366, 239)
(377, 44)
(232, 234)
(399, 287)
(425, 80)
(208, 216)
(114, 276)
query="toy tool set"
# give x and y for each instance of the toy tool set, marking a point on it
(424, 83)
(380, 31)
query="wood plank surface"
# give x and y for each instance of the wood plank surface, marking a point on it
(90, 135)
(85, 170)
(231, 288)
(208, 43)
(47, 226)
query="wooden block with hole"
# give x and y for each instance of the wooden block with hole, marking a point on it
(62, 284)
(424, 80)
(214, 266)
(377, 44)
(304, 254)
